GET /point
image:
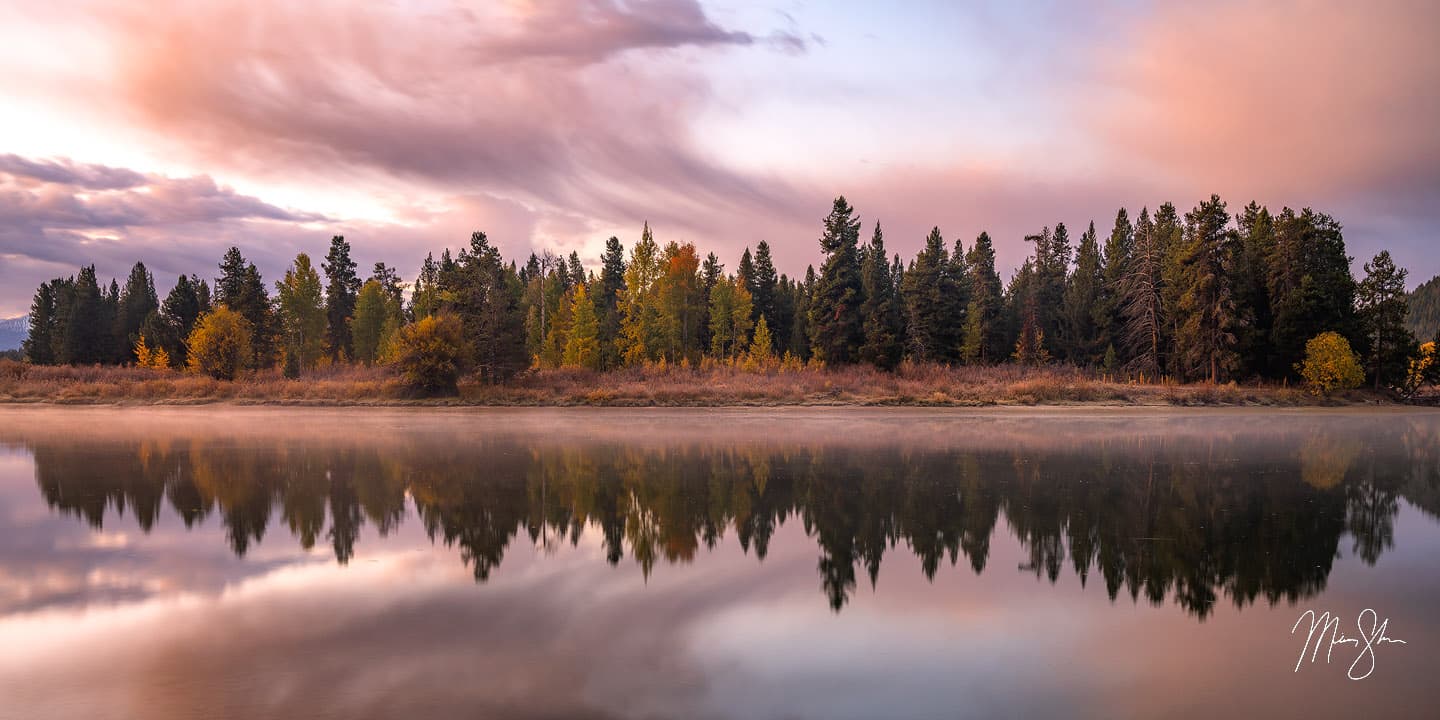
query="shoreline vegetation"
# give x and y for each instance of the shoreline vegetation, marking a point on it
(1204, 308)
(712, 385)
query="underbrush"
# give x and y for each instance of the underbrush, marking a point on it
(709, 384)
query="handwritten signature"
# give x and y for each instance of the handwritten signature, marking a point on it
(1326, 624)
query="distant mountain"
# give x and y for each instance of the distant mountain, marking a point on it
(13, 331)
(1425, 310)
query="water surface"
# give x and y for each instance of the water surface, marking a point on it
(361, 563)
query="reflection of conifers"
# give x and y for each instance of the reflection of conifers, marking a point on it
(1187, 519)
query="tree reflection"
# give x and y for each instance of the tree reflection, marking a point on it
(1195, 520)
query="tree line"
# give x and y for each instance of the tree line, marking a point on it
(1203, 296)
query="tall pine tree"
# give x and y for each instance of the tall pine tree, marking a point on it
(881, 310)
(137, 302)
(1310, 285)
(984, 340)
(1140, 302)
(240, 288)
(607, 298)
(342, 286)
(1083, 294)
(1383, 309)
(836, 327)
(1119, 248)
(764, 284)
(931, 299)
(1206, 339)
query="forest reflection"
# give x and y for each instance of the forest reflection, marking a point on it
(1195, 518)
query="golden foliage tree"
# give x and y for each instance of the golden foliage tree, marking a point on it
(1330, 364)
(430, 353)
(377, 317)
(220, 344)
(762, 351)
(1424, 370)
(681, 301)
(640, 328)
(582, 349)
(146, 357)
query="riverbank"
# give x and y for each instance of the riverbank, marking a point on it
(718, 386)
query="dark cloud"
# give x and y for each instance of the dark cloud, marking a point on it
(65, 172)
(56, 215)
(591, 31)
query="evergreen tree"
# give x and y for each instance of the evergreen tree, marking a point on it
(182, 307)
(1206, 339)
(745, 271)
(1052, 269)
(1310, 285)
(1140, 302)
(897, 275)
(607, 298)
(835, 324)
(137, 302)
(800, 335)
(301, 306)
(1025, 292)
(1424, 319)
(1252, 296)
(116, 350)
(711, 271)
(931, 304)
(730, 309)
(1383, 308)
(984, 340)
(1119, 248)
(342, 286)
(389, 280)
(426, 299)
(1083, 294)
(63, 288)
(241, 289)
(764, 282)
(87, 330)
(487, 299)
(39, 345)
(782, 324)
(881, 310)
(960, 285)
(1169, 237)
(577, 270)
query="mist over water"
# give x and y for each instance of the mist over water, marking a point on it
(710, 564)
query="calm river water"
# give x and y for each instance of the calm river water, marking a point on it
(822, 563)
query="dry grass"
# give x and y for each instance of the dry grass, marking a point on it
(711, 385)
(95, 384)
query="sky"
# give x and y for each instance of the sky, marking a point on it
(167, 131)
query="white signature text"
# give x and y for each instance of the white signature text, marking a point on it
(1324, 633)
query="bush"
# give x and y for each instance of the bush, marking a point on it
(11, 369)
(430, 353)
(220, 344)
(1330, 364)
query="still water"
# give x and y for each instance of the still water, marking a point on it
(362, 563)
